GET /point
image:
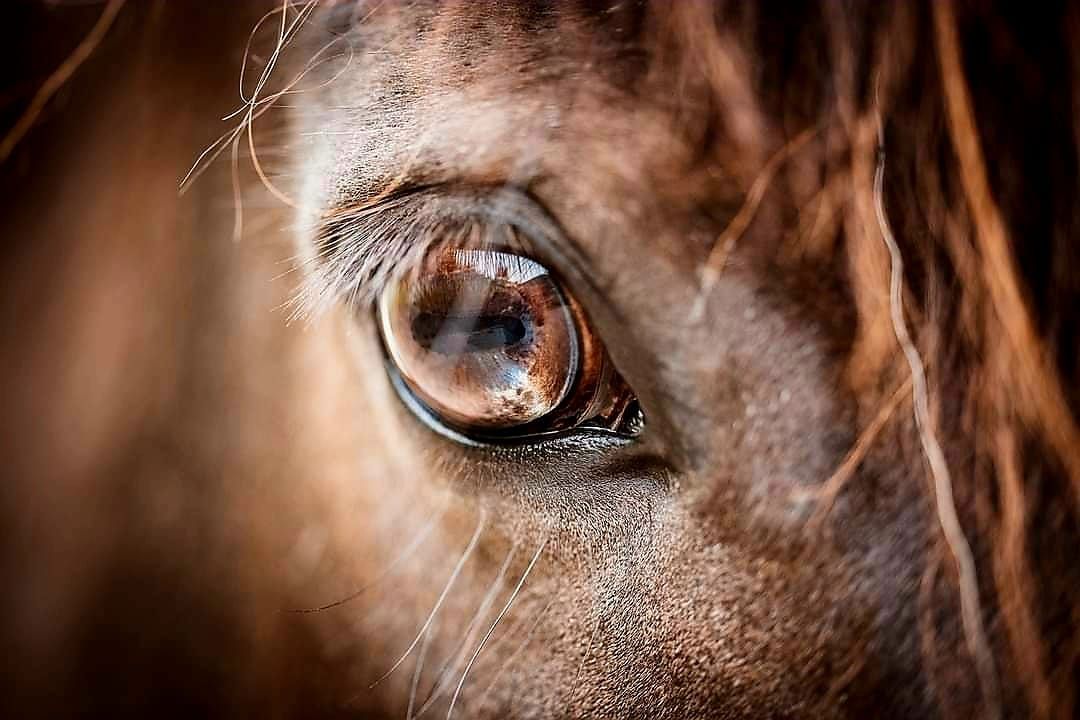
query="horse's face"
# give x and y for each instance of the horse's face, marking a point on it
(665, 571)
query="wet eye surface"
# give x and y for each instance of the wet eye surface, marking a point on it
(492, 347)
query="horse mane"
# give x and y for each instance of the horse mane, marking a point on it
(943, 157)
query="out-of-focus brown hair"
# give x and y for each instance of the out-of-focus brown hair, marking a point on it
(951, 130)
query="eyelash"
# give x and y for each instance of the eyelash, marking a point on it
(360, 250)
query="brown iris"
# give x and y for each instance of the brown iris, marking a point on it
(488, 342)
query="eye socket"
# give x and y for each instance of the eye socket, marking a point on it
(490, 344)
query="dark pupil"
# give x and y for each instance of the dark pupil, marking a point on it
(453, 334)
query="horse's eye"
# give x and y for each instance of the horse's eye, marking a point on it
(493, 347)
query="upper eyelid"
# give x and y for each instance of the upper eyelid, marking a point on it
(359, 249)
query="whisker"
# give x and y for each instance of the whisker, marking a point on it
(312, 64)
(254, 107)
(442, 682)
(238, 197)
(442, 596)
(584, 660)
(283, 11)
(417, 672)
(520, 648)
(487, 635)
(423, 535)
(249, 120)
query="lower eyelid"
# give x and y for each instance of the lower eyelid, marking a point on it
(585, 436)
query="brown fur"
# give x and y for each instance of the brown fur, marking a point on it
(721, 182)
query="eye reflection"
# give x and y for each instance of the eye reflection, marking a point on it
(490, 344)
(484, 338)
